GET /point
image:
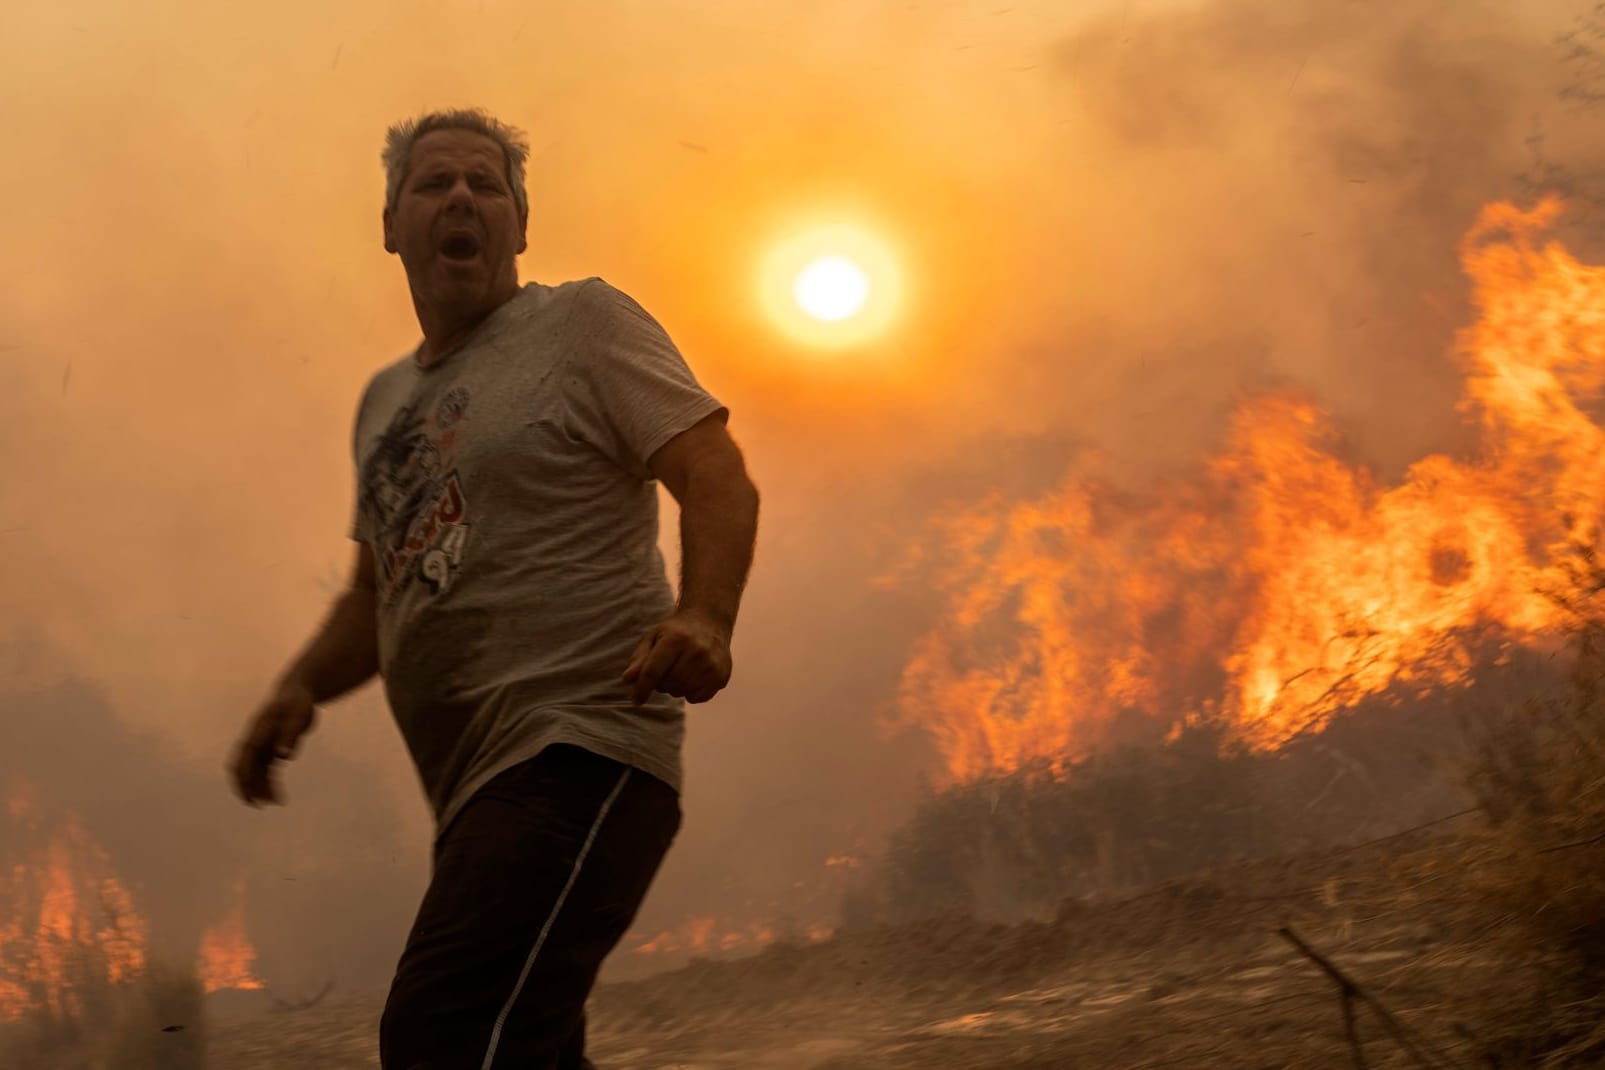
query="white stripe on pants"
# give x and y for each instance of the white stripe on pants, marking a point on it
(529, 963)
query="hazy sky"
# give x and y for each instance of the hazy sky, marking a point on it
(1113, 218)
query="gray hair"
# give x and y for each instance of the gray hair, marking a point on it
(399, 140)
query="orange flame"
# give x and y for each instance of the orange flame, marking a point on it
(227, 956)
(702, 935)
(65, 920)
(1281, 583)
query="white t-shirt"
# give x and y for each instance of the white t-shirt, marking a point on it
(505, 492)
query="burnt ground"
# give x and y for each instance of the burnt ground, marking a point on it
(1191, 973)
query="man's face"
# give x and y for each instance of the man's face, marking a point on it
(455, 224)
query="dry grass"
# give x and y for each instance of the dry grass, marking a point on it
(1538, 773)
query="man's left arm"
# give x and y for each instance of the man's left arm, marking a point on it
(688, 655)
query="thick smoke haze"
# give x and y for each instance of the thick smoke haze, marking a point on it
(1114, 219)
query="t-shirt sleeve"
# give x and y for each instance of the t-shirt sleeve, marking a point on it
(354, 528)
(636, 391)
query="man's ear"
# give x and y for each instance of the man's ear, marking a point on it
(390, 239)
(523, 233)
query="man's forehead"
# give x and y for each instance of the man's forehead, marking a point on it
(455, 146)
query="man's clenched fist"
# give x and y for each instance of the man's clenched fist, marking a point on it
(687, 656)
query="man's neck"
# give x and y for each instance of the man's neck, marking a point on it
(445, 329)
(441, 338)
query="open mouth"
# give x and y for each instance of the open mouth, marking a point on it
(460, 247)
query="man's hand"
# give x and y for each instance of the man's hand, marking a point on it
(687, 656)
(273, 736)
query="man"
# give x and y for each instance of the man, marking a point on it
(508, 588)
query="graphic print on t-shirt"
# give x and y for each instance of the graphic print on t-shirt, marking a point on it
(413, 497)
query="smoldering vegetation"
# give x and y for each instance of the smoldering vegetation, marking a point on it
(1538, 775)
(1012, 846)
(155, 1020)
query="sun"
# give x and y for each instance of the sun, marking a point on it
(831, 285)
(831, 288)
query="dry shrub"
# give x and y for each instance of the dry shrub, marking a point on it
(1538, 773)
(153, 1021)
(1013, 846)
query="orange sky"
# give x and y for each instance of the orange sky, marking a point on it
(1113, 218)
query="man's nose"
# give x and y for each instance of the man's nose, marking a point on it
(461, 196)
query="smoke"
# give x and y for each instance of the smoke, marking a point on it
(141, 808)
(155, 816)
(1259, 192)
(1114, 222)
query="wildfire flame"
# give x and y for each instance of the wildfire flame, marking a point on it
(69, 924)
(701, 935)
(227, 955)
(1281, 583)
(65, 920)
(704, 935)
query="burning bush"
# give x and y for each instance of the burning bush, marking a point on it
(151, 1021)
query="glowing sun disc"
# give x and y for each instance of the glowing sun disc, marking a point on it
(831, 288)
(830, 285)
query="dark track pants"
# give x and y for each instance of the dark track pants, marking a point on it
(537, 879)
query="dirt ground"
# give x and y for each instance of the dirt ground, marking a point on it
(1190, 974)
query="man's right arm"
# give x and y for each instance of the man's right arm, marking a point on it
(344, 654)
